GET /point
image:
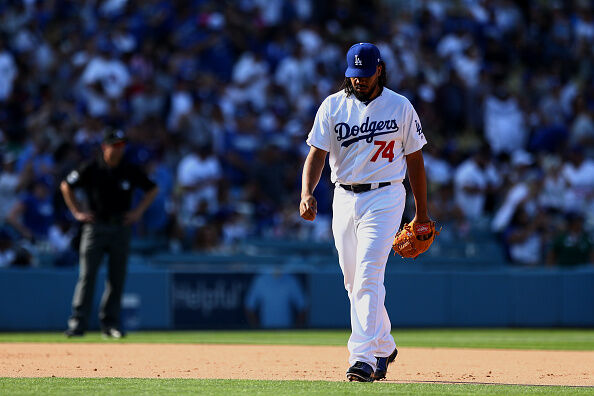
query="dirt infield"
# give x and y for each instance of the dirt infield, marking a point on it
(439, 365)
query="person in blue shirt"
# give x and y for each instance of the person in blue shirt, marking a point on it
(272, 299)
(33, 215)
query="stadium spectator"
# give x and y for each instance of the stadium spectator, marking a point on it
(198, 175)
(505, 124)
(275, 299)
(572, 246)
(582, 127)
(473, 180)
(104, 79)
(61, 237)
(555, 185)
(10, 185)
(524, 190)
(579, 173)
(239, 76)
(444, 207)
(33, 214)
(7, 250)
(8, 72)
(525, 238)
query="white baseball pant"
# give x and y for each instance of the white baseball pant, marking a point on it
(364, 226)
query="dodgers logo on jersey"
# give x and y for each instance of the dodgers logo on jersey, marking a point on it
(419, 129)
(367, 130)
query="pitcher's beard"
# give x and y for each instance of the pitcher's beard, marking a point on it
(364, 97)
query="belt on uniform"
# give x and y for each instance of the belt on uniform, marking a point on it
(359, 188)
(111, 220)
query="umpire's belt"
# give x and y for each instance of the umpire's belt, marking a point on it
(111, 220)
(359, 188)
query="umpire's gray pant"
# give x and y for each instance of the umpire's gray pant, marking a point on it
(97, 239)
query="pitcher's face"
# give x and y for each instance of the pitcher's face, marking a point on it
(366, 87)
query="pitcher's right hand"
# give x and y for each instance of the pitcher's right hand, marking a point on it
(308, 208)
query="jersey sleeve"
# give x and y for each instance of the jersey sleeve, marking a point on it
(79, 176)
(414, 138)
(320, 134)
(141, 180)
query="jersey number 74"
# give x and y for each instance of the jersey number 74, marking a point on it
(385, 148)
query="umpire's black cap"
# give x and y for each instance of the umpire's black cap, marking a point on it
(113, 136)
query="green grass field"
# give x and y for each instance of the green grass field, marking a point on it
(546, 339)
(121, 386)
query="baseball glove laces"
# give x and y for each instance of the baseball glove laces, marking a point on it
(415, 238)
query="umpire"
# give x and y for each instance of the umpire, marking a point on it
(109, 182)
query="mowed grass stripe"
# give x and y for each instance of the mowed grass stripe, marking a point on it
(545, 339)
(135, 386)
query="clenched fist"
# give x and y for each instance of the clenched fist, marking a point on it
(308, 207)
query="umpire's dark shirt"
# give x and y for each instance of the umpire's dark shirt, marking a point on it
(109, 190)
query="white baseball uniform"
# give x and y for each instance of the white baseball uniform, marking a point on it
(367, 144)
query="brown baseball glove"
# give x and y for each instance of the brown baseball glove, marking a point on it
(414, 238)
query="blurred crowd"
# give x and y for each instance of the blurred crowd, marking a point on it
(217, 97)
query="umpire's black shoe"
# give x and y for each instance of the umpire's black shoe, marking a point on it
(112, 332)
(382, 365)
(74, 333)
(361, 372)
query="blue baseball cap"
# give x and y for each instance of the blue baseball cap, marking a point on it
(362, 60)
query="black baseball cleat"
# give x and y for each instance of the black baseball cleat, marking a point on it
(74, 333)
(112, 332)
(361, 372)
(382, 365)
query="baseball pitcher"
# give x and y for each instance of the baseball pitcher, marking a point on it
(373, 136)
